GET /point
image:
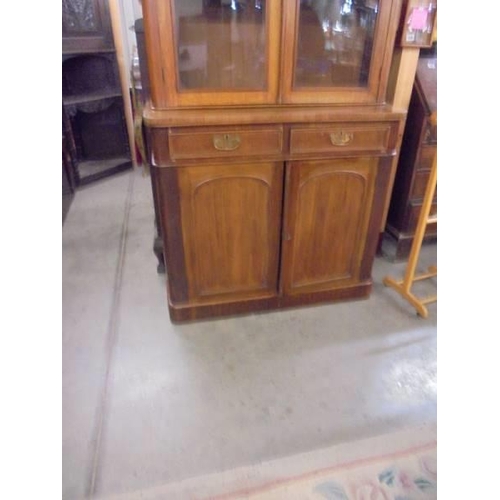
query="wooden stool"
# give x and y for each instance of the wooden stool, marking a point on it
(403, 287)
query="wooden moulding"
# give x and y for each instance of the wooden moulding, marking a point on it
(183, 313)
(266, 114)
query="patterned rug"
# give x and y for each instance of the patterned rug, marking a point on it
(398, 466)
(407, 475)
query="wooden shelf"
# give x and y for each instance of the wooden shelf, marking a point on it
(87, 51)
(91, 97)
(92, 170)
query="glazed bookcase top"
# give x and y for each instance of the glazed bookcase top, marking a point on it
(269, 52)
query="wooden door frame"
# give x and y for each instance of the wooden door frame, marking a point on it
(162, 61)
(374, 93)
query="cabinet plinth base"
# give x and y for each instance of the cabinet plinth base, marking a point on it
(182, 313)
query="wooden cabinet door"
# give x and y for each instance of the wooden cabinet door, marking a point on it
(213, 52)
(337, 51)
(330, 225)
(231, 219)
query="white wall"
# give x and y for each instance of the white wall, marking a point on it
(130, 10)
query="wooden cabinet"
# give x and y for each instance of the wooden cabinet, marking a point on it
(270, 144)
(281, 226)
(418, 148)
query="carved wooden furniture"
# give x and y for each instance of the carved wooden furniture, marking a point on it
(92, 95)
(418, 148)
(270, 143)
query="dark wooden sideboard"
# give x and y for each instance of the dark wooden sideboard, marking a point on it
(418, 148)
(91, 92)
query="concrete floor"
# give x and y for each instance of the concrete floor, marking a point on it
(146, 402)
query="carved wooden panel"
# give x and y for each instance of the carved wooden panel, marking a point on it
(79, 16)
(327, 215)
(231, 219)
(86, 26)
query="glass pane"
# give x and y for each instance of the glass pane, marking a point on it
(221, 44)
(335, 41)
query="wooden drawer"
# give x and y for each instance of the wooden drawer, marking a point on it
(187, 143)
(340, 137)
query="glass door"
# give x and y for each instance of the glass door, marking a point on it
(338, 51)
(216, 52)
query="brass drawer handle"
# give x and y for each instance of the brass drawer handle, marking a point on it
(341, 138)
(226, 142)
